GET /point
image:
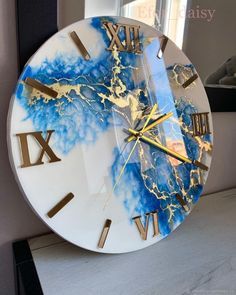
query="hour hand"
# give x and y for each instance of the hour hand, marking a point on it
(167, 150)
(137, 141)
(152, 125)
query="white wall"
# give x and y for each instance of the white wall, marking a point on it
(16, 218)
(208, 45)
(101, 7)
(70, 11)
(223, 169)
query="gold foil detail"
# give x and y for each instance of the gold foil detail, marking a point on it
(117, 86)
(160, 146)
(167, 150)
(180, 74)
(60, 205)
(121, 99)
(41, 87)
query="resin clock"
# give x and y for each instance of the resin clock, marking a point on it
(110, 134)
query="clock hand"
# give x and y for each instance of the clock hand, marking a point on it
(153, 124)
(133, 148)
(167, 150)
(149, 117)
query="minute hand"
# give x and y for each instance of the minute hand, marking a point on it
(153, 124)
(168, 151)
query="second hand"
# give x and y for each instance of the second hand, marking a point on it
(131, 152)
(133, 148)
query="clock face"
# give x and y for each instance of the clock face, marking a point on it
(110, 134)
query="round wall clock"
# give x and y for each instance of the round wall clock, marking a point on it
(110, 134)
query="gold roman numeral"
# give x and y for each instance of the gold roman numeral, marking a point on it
(131, 42)
(44, 145)
(143, 229)
(200, 123)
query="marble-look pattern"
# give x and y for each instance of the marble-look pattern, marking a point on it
(95, 95)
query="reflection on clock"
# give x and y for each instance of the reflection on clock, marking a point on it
(110, 136)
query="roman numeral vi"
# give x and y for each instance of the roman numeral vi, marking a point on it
(143, 229)
(44, 145)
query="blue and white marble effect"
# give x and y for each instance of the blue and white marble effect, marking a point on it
(80, 116)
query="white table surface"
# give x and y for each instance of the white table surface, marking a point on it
(198, 258)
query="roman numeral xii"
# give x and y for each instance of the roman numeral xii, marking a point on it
(123, 37)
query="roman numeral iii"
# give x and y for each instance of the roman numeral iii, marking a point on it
(44, 146)
(131, 42)
(143, 229)
(200, 123)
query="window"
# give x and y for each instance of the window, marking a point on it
(166, 15)
(141, 10)
(101, 7)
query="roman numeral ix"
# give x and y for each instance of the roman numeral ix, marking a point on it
(131, 41)
(44, 145)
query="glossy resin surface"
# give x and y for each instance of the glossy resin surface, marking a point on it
(98, 101)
